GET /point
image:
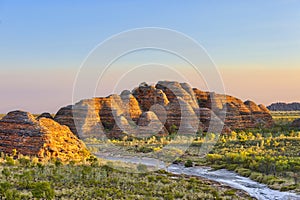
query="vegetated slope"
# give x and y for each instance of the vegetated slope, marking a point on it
(280, 106)
(43, 138)
(168, 101)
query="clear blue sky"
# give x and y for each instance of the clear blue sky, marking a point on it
(44, 42)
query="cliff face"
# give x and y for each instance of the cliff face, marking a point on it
(44, 137)
(162, 108)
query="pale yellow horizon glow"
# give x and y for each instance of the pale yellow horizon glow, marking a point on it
(42, 90)
(264, 85)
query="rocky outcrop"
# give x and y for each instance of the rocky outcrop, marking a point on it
(239, 114)
(165, 108)
(175, 90)
(43, 138)
(149, 125)
(148, 95)
(203, 98)
(45, 115)
(131, 106)
(91, 117)
(170, 105)
(64, 116)
(148, 118)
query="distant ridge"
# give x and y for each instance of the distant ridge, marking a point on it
(284, 106)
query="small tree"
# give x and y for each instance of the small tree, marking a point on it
(4, 187)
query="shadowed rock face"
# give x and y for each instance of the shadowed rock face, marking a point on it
(43, 138)
(148, 117)
(175, 105)
(239, 114)
(64, 116)
(45, 115)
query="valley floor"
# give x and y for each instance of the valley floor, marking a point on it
(29, 179)
(269, 156)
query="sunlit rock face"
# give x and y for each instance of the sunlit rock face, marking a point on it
(43, 138)
(169, 105)
(166, 108)
(148, 95)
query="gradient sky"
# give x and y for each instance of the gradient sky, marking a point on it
(255, 44)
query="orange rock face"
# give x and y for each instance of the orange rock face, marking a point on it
(175, 104)
(43, 138)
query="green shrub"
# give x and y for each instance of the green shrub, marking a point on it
(230, 192)
(243, 172)
(6, 172)
(25, 162)
(288, 187)
(232, 167)
(142, 168)
(254, 175)
(144, 149)
(168, 196)
(42, 190)
(10, 161)
(151, 178)
(4, 187)
(188, 163)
